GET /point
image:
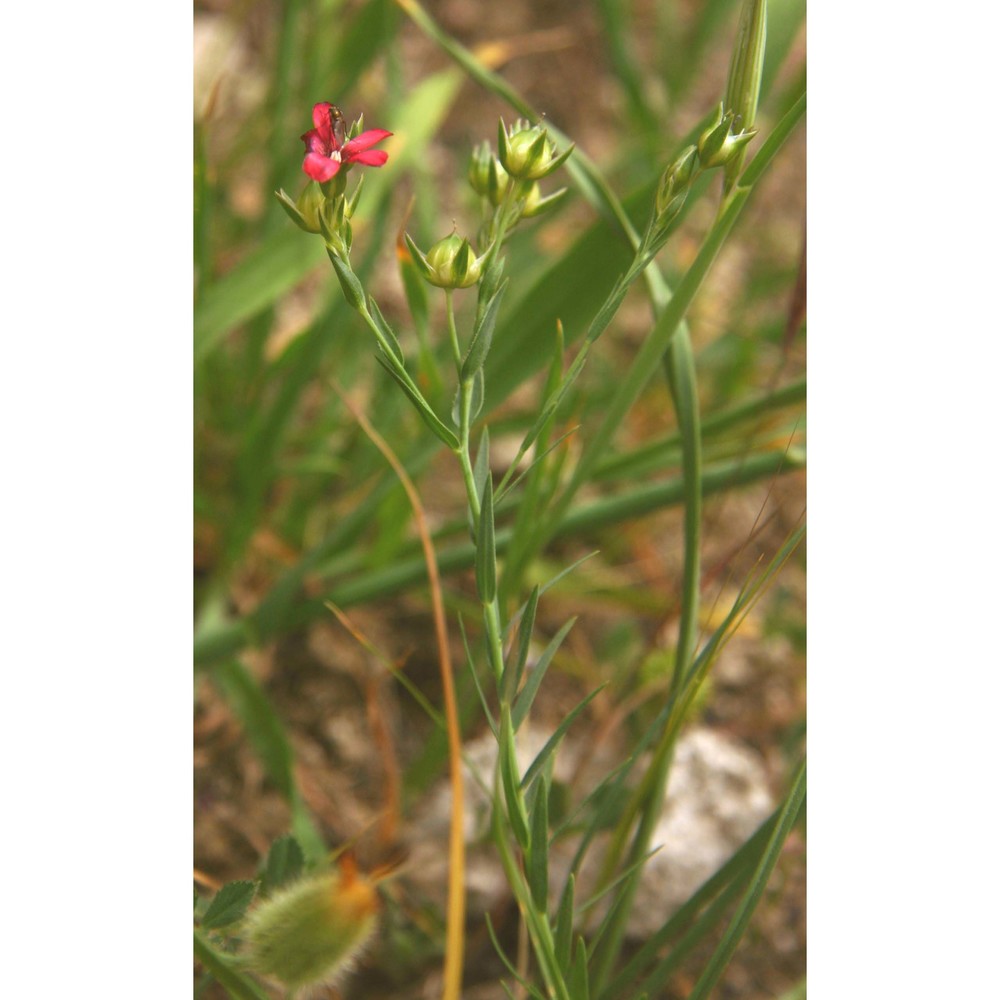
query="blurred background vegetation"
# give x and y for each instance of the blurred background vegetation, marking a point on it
(297, 723)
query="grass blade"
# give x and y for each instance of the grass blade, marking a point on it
(737, 927)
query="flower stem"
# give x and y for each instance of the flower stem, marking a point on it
(452, 332)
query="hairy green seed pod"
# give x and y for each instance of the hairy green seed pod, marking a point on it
(308, 934)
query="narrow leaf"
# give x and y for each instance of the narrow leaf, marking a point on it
(486, 547)
(475, 680)
(731, 876)
(527, 696)
(553, 741)
(507, 962)
(481, 469)
(538, 855)
(489, 285)
(349, 283)
(423, 407)
(387, 331)
(482, 336)
(564, 924)
(741, 919)
(510, 781)
(515, 671)
(579, 983)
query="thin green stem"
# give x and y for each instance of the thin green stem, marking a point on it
(456, 350)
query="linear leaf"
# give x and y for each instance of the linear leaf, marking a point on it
(538, 855)
(475, 679)
(486, 547)
(737, 927)
(553, 741)
(523, 703)
(482, 337)
(510, 781)
(579, 982)
(513, 672)
(564, 924)
(423, 407)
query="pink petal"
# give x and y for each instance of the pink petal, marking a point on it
(321, 115)
(369, 157)
(320, 168)
(366, 140)
(314, 142)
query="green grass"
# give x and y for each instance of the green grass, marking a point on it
(647, 370)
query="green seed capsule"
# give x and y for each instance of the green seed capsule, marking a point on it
(308, 934)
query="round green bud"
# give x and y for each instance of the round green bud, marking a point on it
(452, 263)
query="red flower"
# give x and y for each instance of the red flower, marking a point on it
(327, 151)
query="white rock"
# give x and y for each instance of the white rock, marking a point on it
(717, 796)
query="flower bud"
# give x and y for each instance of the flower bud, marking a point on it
(526, 152)
(450, 263)
(676, 178)
(534, 204)
(486, 175)
(293, 211)
(718, 144)
(308, 934)
(310, 204)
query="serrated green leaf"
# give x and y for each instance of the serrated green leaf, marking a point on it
(284, 863)
(486, 546)
(229, 905)
(527, 695)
